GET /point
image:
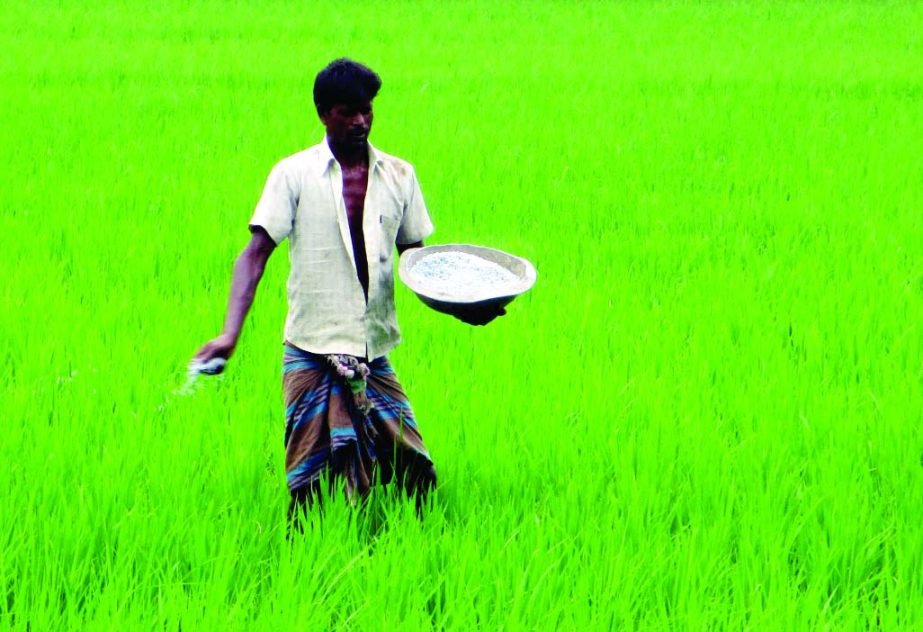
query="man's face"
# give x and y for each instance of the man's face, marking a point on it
(348, 125)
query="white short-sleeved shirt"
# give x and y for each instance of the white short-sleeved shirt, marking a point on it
(303, 201)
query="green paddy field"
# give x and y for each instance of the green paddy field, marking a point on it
(706, 415)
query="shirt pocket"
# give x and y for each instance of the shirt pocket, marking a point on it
(389, 226)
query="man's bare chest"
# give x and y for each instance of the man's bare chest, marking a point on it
(355, 185)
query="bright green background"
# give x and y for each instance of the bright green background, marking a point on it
(706, 414)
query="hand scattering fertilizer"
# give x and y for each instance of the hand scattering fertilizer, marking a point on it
(197, 368)
(454, 277)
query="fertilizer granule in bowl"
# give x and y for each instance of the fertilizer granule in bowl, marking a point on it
(462, 274)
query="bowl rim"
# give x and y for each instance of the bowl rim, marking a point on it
(410, 257)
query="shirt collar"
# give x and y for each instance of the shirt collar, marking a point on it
(326, 158)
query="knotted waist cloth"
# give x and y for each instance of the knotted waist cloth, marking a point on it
(351, 419)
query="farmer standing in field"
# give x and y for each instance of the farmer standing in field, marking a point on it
(344, 206)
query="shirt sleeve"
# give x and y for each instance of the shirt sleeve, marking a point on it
(415, 225)
(275, 211)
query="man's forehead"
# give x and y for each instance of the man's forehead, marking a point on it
(352, 105)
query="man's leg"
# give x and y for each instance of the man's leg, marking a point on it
(420, 484)
(399, 445)
(415, 477)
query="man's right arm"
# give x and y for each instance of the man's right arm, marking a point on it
(248, 270)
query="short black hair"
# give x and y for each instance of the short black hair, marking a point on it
(344, 81)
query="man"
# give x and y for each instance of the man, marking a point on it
(344, 206)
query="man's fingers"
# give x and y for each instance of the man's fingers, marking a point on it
(212, 366)
(204, 354)
(477, 319)
(217, 348)
(480, 315)
(210, 359)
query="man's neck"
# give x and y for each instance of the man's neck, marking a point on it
(350, 156)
